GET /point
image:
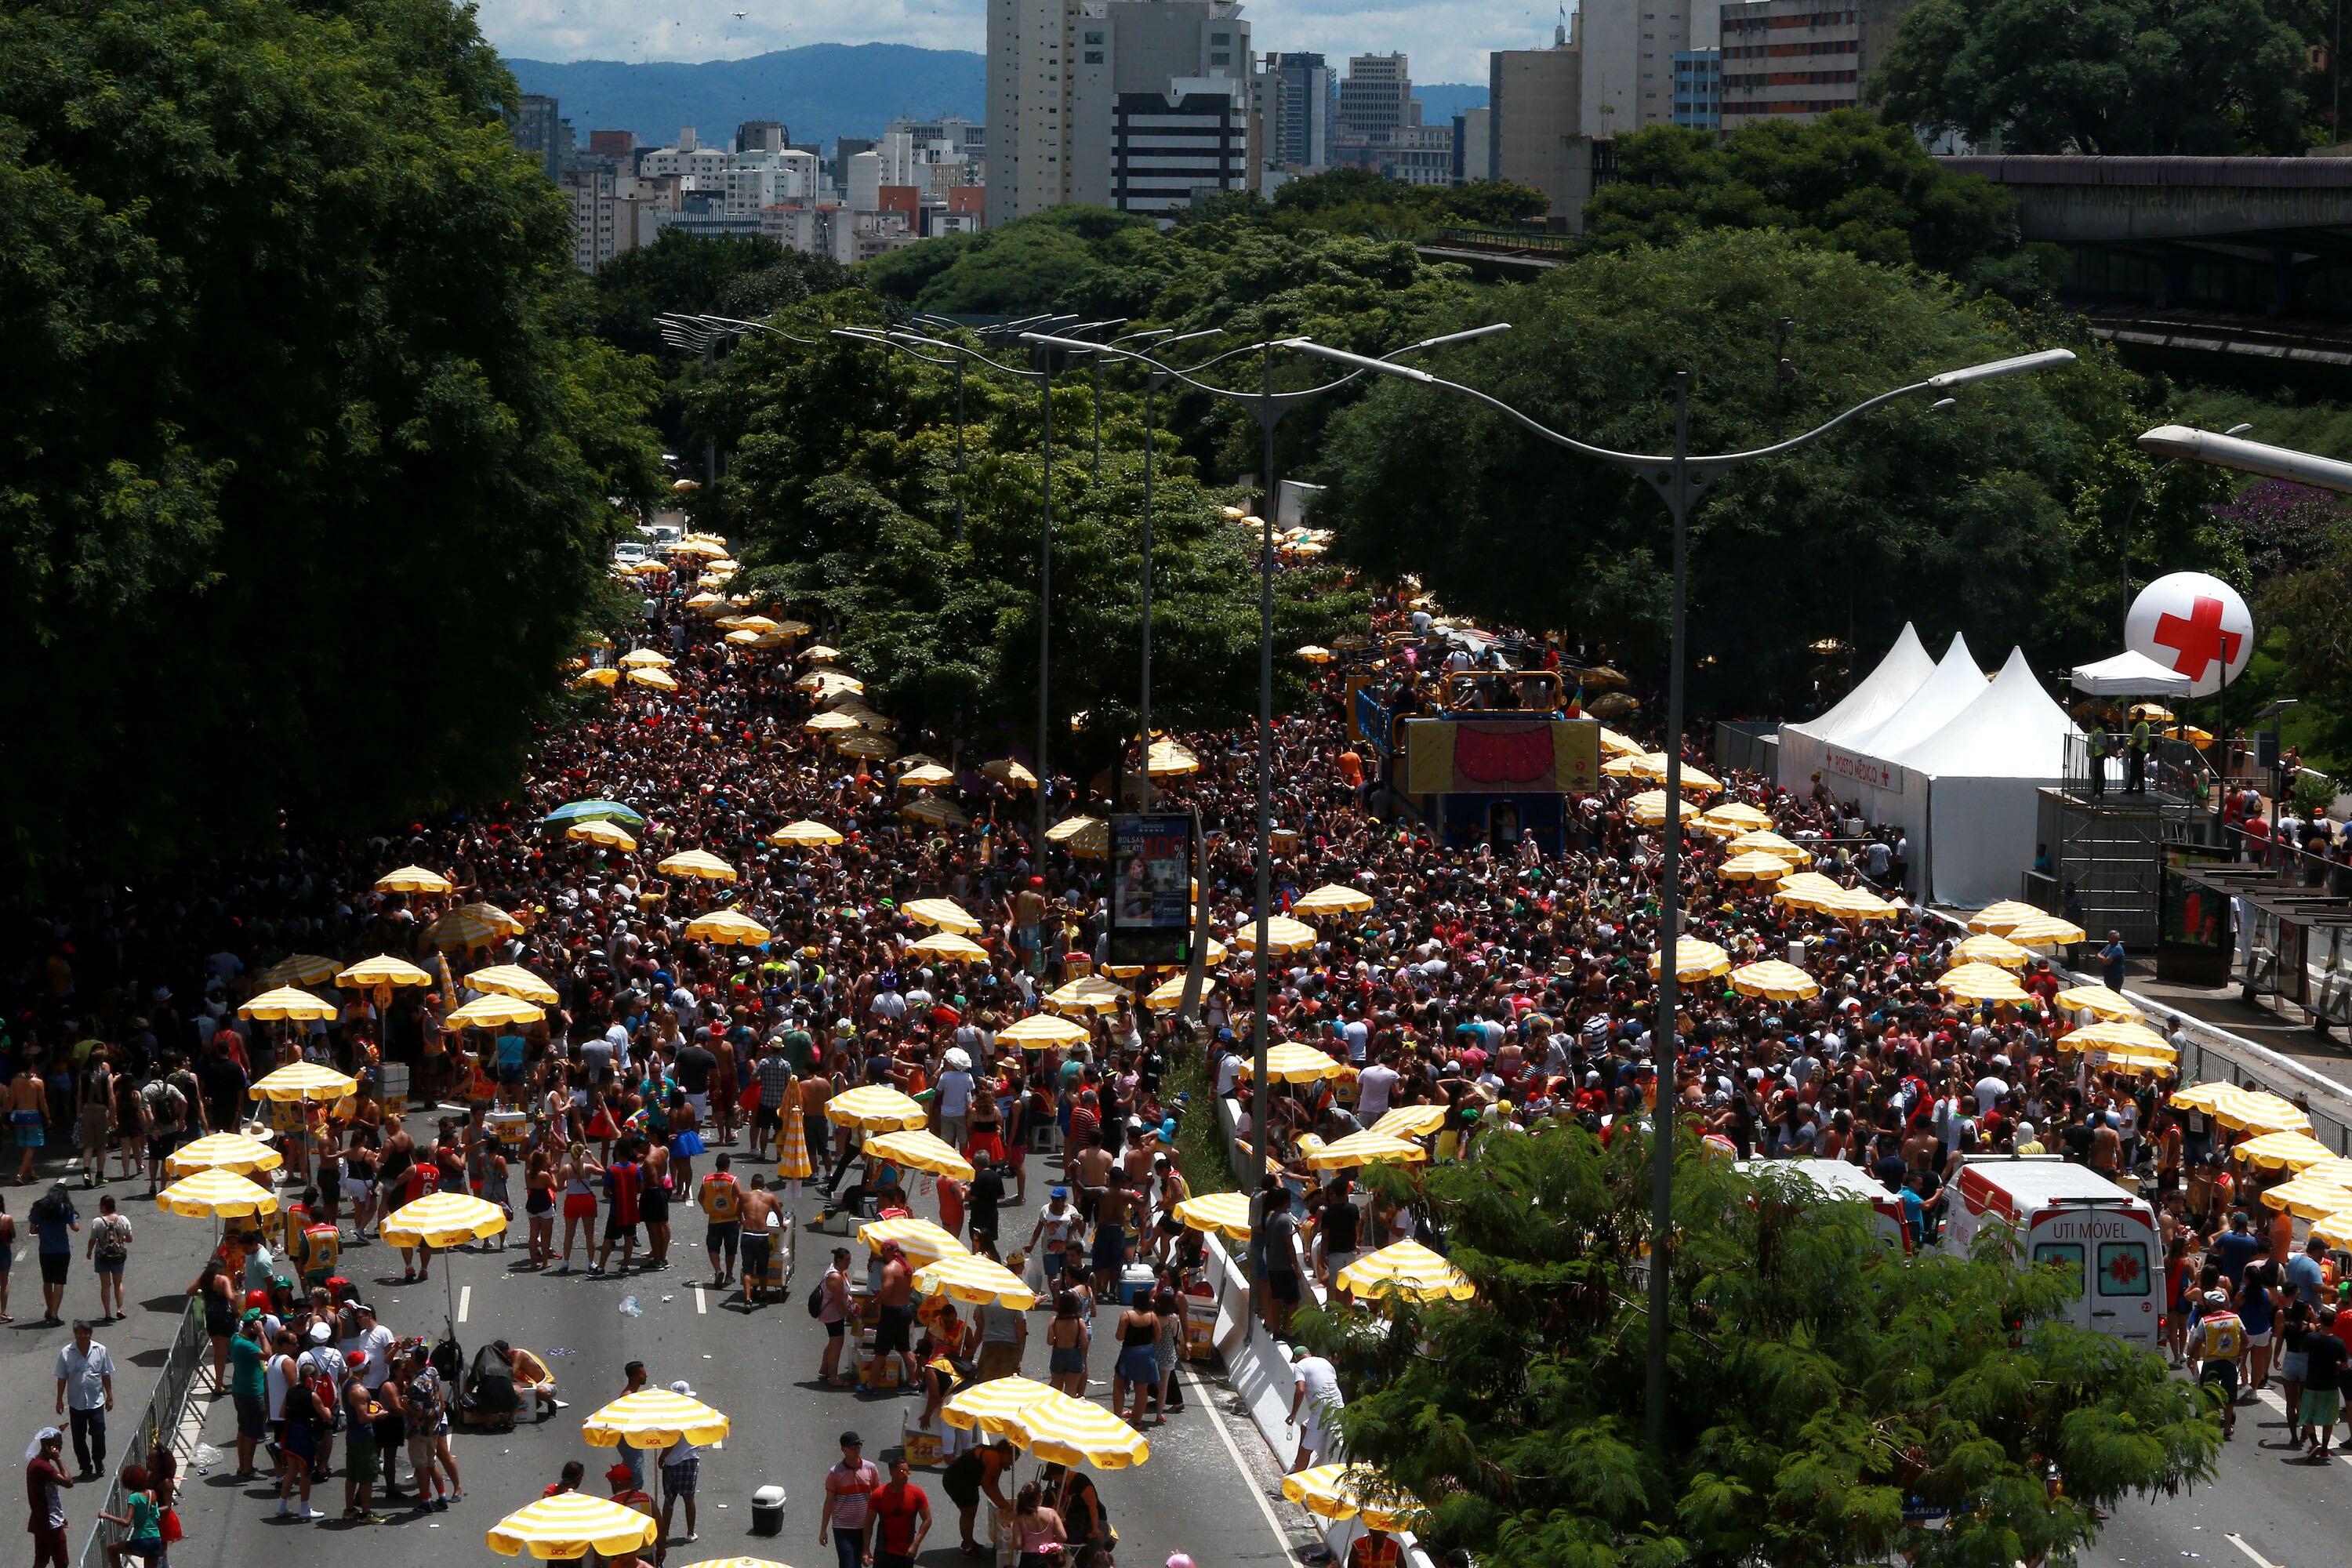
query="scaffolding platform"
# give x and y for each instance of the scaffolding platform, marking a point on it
(2107, 856)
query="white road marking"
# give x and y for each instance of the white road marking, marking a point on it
(702, 1303)
(2277, 1402)
(2234, 1539)
(1200, 1398)
(465, 1300)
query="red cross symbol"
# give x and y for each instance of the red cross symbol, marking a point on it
(2199, 639)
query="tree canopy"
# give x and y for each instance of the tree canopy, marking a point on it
(2125, 76)
(312, 446)
(1821, 1384)
(1964, 517)
(1845, 181)
(842, 496)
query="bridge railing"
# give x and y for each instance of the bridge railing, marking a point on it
(1513, 241)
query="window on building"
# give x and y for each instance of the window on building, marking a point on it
(1221, 58)
(1094, 56)
(1093, 37)
(1221, 38)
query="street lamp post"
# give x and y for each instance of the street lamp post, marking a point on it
(1682, 481)
(1270, 407)
(2131, 512)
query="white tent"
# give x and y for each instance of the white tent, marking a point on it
(2131, 673)
(1956, 683)
(1978, 777)
(1874, 700)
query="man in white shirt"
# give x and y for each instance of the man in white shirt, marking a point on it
(1359, 1036)
(1315, 1392)
(955, 1104)
(1374, 1085)
(371, 1338)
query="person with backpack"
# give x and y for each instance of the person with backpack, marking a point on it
(167, 1114)
(55, 1219)
(2219, 1338)
(109, 1249)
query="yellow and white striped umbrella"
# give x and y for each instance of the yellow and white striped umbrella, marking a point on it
(1775, 980)
(304, 1080)
(608, 835)
(1283, 935)
(2283, 1151)
(1009, 773)
(977, 1281)
(919, 1239)
(1314, 653)
(475, 925)
(1998, 918)
(835, 723)
(1088, 994)
(653, 1418)
(659, 680)
(646, 658)
(1365, 1148)
(382, 970)
(2205, 1097)
(2259, 1112)
(1088, 838)
(929, 775)
(1696, 959)
(944, 913)
(804, 832)
(1061, 1430)
(1982, 983)
(992, 1406)
(217, 1195)
(1753, 866)
(572, 1524)
(1766, 841)
(1652, 765)
(224, 1152)
(829, 682)
(1733, 819)
(413, 880)
(1069, 828)
(1287, 1062)
(947, 945)
(444, 1219)
(2335, 1230)
(1228, 1214)
(1406, 1268)
(513, 980)
(1169, 993)
(1986, 948)
(1041, 1030)
(2099, 1001)
(1410, 1120)
(1169, 758)
(300, 969)
(2044, 930)
(2119, 1034)
(933, 809)
(2317, 1191)
(875, 1108)
(490, 1012)
(923, 1151)
(698, 863)
(1649, 808)
(1804, 889)
(1332, 899)
(286, 1002)
(728, 928)
(1348, 1492)
(1618, 746)
(1856, 904)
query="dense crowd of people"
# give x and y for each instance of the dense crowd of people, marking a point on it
(1502, 983)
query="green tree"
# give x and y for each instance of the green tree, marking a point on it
(2129, 77)
(1365, 201)
(1845, 181)
(310, 450)
(1965, 517)
(843, 494)
(1819, 1381)
(695, 274)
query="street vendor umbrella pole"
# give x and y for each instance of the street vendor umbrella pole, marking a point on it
(1682, 481)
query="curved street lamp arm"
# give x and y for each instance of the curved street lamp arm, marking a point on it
(900, 339)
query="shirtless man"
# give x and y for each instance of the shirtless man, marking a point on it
(894, 1334)
(1091, 1166)
(758, 1241)
(28, 1115)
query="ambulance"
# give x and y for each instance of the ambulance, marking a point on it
(1838, 1179)
(2070, 1213)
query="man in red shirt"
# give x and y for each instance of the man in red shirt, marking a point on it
(45, 1484)
(899, 1515)
(621, 1214)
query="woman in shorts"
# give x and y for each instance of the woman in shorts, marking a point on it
(579, 1174)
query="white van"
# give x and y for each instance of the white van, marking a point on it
(2070, 1213)
(1838, 1179)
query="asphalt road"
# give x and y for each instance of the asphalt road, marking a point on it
(1209, 1488)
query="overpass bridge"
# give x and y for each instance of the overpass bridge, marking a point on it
(2193, 263)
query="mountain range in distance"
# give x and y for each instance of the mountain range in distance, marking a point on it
(820, 92)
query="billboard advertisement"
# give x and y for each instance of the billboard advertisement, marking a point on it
(1505, 756)
(1150, 887)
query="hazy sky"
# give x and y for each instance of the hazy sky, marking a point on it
(1447, 40)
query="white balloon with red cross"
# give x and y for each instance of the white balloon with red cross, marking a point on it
(2194, 625)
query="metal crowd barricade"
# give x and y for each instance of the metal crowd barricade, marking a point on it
(158, 1426)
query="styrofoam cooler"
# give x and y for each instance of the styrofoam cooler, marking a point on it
(392, 1085)
(1136, 1281)
(925, 1442)
(768, 1512)
(512, 1128)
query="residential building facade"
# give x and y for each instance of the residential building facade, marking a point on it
(1799, 60)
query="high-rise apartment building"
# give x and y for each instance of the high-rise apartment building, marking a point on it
(1376, 99)
(1699, 87)
(1079, 91)
(1298, 118)
(1534, 123)
(541, 130)
(1419, 155)
(1799, 59)
(1629, 50)
(761, 136)
(1474, 157)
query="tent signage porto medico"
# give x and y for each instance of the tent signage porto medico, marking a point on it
(1861, 770)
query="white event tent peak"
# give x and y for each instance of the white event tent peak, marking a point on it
(2131, 673)
(1980, 778)
(1876, 699)
(1956, 683)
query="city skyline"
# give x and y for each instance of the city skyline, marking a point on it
(1448, 41)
